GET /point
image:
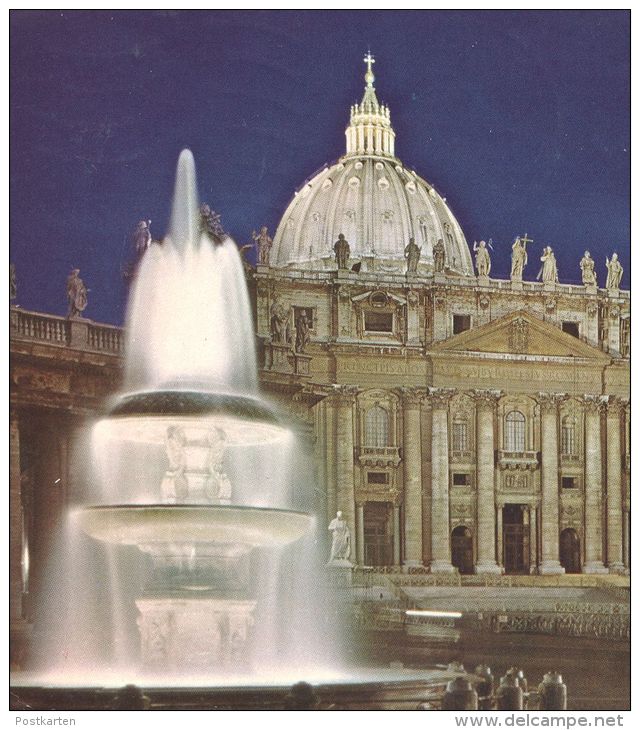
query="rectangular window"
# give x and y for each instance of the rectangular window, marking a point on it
(377, 477)
(378, 321)
(461, 480)
(461, 323)
(569, 483)
(459, 440)
(571, 328)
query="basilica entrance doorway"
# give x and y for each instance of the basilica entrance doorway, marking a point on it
(570, 551)
(462, 550)
(515, 536)
(378, 533)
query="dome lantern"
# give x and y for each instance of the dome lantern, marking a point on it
(370, 131)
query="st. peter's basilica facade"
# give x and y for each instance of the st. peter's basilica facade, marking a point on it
(459, 422)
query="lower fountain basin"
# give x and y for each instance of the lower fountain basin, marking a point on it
(171, 524)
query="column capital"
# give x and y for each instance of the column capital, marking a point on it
(593, 403)
(615, 406)
(549, 402)
(343, 395)
(440, 397)
(486, 398)
(412, 397)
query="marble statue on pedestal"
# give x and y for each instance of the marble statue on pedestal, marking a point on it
(519, 257)
(614, 277)
(549, 270)
(76, 294)
(341, 539)
(412, 255)
(302, 332)
(279, 324)
(438, 256)
(587, 266)
(483, 260)
(264, 242)
(342, 250)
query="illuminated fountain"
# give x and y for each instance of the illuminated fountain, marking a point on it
(192, 399)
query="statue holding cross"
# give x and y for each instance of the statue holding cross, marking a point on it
(519, 256)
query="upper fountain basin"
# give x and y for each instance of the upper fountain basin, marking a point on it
(150, 524)
(145, 416)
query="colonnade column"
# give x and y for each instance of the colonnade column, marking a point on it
(412, 458)
(360, 533)
(615, 409)
(396, 534)
(440, 541)
(627, 484)
(550, 502)
(345, 497)
(486, 524)
(15, 512)
(330, 456)
(593, 485)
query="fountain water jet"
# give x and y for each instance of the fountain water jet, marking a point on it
(192, 393)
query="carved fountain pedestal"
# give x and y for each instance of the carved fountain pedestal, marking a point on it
(196, 609)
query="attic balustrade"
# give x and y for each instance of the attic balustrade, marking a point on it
(80, 334)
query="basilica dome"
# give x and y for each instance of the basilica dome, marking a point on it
(376, 202)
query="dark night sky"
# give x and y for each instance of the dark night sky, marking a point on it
(521, 119)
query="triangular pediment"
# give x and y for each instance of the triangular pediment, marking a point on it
(520, 333)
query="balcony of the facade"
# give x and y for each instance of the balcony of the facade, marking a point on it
(378, 455)
(517, 459)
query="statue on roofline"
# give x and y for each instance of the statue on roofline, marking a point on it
(483, 260)
(76, 294)
(519, 256)
(615, 271)
(264, 242)
(439, 255)
(412, 255)
(549, 270)
(342, 251)
(587, 266)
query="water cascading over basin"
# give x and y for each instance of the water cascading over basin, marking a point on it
(193, 398)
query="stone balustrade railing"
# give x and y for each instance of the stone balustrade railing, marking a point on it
(515, 459)
(378, 455)
(81, 334)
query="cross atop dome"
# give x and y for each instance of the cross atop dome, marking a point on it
(369, 77)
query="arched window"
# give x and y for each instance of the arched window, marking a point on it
(376, 427)
(514, 434)
(569, 436)
(460, 435)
